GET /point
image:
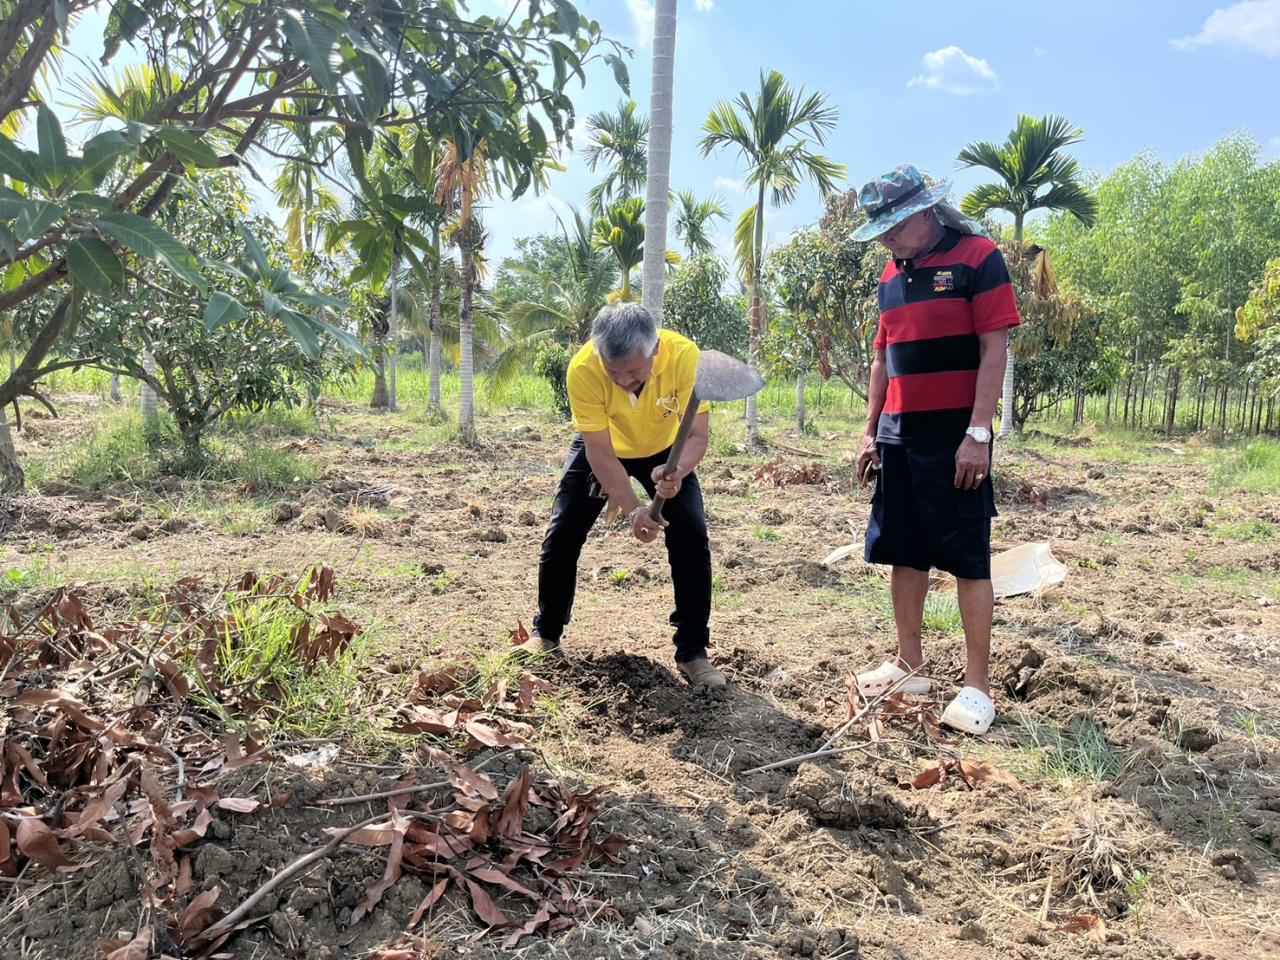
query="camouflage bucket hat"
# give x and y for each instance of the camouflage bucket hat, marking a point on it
(892, 197)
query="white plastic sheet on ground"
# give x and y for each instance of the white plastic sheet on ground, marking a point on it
(1028, 568)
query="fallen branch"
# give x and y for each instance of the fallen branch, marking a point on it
(826, 748)
(793, 761)
(227, 923)
(401, 791)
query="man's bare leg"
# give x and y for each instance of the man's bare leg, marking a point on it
(908, 587)
(977, 606)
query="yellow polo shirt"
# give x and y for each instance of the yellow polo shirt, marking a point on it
(638, 426)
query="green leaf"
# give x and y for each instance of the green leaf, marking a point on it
(188, 147)
(255, 250)
(90, 201)
(315, 42)
(35, 217)
(222, 309)
(313, 299)
(53, 147)
(566, 17)
(620, 73)
(95, 266)
(340, 335)
(150, 241)
(8, 242)
(60, 14)
(22, 165)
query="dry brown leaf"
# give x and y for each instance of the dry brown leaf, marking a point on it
(491, 874)
(529, 687)
(1084, 923)
(378, 835)
(395, 858)
(238, 804)
(95, 810)
(491, 737)
(424, 720)
(484, 906)
(57, 700)
(983, 773)
(519, 635)
(188, 836)
(199, 914)
(515, 805)
(436, 682)
(139, 948)
(462, 776)
(529, 928)
(429, 901)
(40, 843)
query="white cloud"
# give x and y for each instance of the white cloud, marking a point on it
(642, 14)
(1038, 51)
(704, 6)
(954, 71)
(1253, 25)
(1273, 146)
(731, 185)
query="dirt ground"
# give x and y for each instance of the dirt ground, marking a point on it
(1164, 641)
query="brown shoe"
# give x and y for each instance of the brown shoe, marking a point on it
(702, 674)
(535, 648)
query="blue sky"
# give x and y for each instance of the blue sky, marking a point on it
(917, 85)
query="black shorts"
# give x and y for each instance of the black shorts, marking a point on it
(919, 519)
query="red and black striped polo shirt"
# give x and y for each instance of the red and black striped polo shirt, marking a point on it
(932, 310)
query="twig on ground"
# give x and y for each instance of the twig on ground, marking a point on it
(420, 788)
(826, 748)
(226, 924)
(793, 761)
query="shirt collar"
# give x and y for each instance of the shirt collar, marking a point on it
(950, 237)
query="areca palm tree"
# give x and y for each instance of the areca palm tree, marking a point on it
(621, 232)
(773, 132)
(693, 216)
(1034, 175)
(462, 180)
(618, 142)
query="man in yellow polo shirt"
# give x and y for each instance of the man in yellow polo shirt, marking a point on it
(628, 387)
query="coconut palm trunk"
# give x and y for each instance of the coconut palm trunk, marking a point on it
(1006, 391)
(657, 188)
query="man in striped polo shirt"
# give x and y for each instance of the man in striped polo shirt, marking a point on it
(946, 308)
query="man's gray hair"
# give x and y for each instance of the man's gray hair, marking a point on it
(622, 330)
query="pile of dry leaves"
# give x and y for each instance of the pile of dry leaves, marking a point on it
(116, 730)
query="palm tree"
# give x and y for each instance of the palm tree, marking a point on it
(461, 181)
(618, 142)
(773, 133)
(692, 217)
(657, 182)
(621, 231)
(1035, 175)
(566, 307)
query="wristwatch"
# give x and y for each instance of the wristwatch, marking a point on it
(979, 434)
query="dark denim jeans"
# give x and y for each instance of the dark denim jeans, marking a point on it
(578, 503)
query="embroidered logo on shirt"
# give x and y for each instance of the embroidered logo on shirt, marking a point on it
(669, 404)
(943, 281)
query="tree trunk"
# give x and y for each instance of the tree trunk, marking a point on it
(657, 186)
(802, 379)
(381, 399)
(756, 311)
(147, 396)
(12, 479)
(1171, 411)
(466, 404)
(393, 333)
(437, 337)
(116, 395)
(1007, 424)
